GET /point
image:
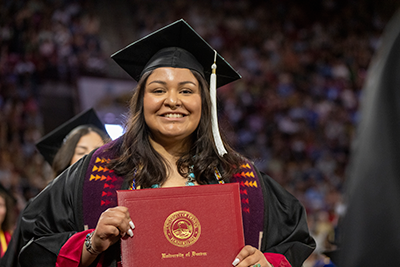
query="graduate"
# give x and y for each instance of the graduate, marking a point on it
(172, 139)
(61, 148)
(7, 218)
(75, 138)
(369, 231)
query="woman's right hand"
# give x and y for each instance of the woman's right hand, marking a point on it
(113, 224)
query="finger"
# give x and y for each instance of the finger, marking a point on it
(123, 227)
(118, 219)
(129, 232)
(120, 211)
(243, 256)
(245, 252)
(236, 262)
(128, 235)
(123, 212)
(131, 225)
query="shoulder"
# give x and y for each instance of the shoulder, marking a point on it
(109, 150)
(250, 176)
(280, 198)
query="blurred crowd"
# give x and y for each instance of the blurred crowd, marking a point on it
(294, 112)
(40, 41)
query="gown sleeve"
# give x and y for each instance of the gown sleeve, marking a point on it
(49, 220)
(277, 260)
(285, 224)
(71, 251)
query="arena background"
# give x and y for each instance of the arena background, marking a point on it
(294, 112)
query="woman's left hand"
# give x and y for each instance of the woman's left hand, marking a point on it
(250, 256)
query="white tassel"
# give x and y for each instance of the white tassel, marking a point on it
(214, 118)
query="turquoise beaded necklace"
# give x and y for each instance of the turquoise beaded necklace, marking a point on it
(189, 182)
(191, 177)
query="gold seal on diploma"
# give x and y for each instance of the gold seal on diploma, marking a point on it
(182, 228)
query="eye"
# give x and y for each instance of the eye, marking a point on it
(80, 154)
(186, 91)
(81, 151)
(157, 90)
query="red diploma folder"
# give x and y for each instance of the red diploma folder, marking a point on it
(183, 226)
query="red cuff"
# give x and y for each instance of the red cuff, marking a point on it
(71, 252)
(277, 260)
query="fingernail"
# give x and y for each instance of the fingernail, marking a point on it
(131, 225)
(235, 262)
(130, 233)
(257, 265)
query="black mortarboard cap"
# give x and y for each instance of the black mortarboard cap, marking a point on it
(49, 145)
(145, 54)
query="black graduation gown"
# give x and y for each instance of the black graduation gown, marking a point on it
(56, 214)
(369, 231)
(48, 221)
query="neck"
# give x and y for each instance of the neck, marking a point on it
(171, 151)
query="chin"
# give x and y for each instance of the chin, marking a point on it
(175, 136)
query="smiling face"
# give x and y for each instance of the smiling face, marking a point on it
(172, 104)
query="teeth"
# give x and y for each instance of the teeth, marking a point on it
(173, 115)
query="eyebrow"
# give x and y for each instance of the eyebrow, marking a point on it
(164, 83)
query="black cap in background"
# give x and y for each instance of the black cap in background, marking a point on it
(49, 145)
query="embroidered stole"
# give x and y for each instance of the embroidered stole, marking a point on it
(101, 183)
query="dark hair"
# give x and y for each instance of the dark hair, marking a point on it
(9, 218)
(140, 161)
(64, 155)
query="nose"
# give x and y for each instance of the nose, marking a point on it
(173, 100)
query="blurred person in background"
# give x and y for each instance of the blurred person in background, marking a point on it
(369, 230)
(79, 142)
(7, 218)
(72, 140)
(61, 148)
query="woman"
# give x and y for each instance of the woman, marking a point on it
(61, 148)
(172, 139)
(7, 216)
(72, 140)
(77, 144)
